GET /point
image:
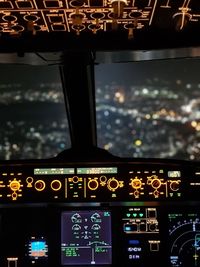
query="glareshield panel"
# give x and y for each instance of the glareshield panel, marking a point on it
(149, 108)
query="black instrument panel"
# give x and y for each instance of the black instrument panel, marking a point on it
(98, 182)
(123, 213)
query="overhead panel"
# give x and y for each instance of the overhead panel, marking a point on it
(20, 16)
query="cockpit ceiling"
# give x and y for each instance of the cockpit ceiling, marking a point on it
(19, 18)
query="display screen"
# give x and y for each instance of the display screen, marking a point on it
(100, 170)
(38, 248)
(184, 239)
(53, 171)
(86, 237)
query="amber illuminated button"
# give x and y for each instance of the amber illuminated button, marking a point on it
(40, 185)
(93, 184)
(14, 185)
(56, 185)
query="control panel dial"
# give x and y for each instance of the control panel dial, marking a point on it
(93, 184)
(136, 183)
(113, 184)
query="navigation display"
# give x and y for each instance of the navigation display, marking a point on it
(184, 237)
(86, 237)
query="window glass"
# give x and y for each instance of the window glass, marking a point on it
(149, 109)
(33, 116)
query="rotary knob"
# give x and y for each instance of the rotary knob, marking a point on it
(174, 185)
(156, 183)
(112, 184)
(40, 185)
(56, 185)
(93, 184)
(14, 185)
(136, 183)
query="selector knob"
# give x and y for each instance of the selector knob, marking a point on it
(40, 185)
(75, 179)
(174, 185)
(56, 185)
(112, 184)
(14, 185)
(93, 184)
(136, 183)
(156, 183)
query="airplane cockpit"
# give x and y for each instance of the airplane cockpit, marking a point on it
(100, 133)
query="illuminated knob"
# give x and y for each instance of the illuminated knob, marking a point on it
(14, 185)
(174, 185)
(136, 183)
(29, 181)
(75, 179)
(56, 185)
(156, 183)
(112, 184)
(40, 185)
(93, 184)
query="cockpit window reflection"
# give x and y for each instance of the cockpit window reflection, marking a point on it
(149, 108)
(33, 115)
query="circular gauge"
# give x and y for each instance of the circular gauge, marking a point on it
(76, 227)
(184, 239)
(95, 217)
(96, 227)
(76, 218)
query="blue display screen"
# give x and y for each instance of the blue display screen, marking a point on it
(86, 237)
(38, 249)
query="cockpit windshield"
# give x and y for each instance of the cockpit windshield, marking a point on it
(33, 121)
(149, 109)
